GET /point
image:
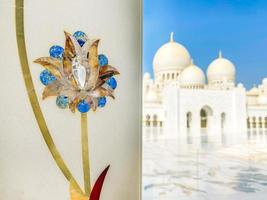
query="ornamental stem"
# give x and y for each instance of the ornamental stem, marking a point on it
(85, 154)
(21, 44)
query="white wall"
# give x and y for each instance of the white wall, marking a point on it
(28, 171)
(240, 110)
(181, 101)
(171, 107)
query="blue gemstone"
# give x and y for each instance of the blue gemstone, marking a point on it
(102, 101)
(62, 101)
(112, 83)
(102, 60)
(83, 106)
(81, 37)
(47, 77)
(56, 51)
(81, 42)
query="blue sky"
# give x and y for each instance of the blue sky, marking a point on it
(237, 27)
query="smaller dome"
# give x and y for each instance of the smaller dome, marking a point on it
(262, 99)
(240, 85)
(146, 76)
(221, 69)
(253, 91)
(192, 76)
(264, 81)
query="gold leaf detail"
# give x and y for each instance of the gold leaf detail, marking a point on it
(73, 104)
(93, 64)
(53, 65)
(107, 71)
(53, 89)
(101, 92)
(69, 54)
(75, 195)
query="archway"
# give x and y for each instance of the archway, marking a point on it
(188, 119)
(223, 118)
(147, 120)
(260, 122)
(155, 120)
(205, 117)
(248, 123)
(254, 122)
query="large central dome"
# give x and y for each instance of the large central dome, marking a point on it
(172, 56)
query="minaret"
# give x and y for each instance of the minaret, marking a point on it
(192, 61)
(171, 37)
(220, 54)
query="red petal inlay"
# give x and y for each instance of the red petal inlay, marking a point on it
(95, 194)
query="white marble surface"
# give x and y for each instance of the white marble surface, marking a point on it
(218, 166)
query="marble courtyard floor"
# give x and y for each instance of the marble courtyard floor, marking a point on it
(210, 166)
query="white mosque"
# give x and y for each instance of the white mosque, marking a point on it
(180, 98)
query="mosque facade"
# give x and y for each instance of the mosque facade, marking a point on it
(182, 97)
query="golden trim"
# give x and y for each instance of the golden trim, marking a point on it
(85, 154)
(33, 97)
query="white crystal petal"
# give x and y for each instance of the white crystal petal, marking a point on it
(79, 73)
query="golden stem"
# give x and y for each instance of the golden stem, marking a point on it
(85, 154)
(33, 97)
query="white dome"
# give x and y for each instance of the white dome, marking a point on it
(146, 76)
(262, 99)
(240, 85)
(221, 69)
(171, 56)
(192, 76)
(264, 81)
(253, 91)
